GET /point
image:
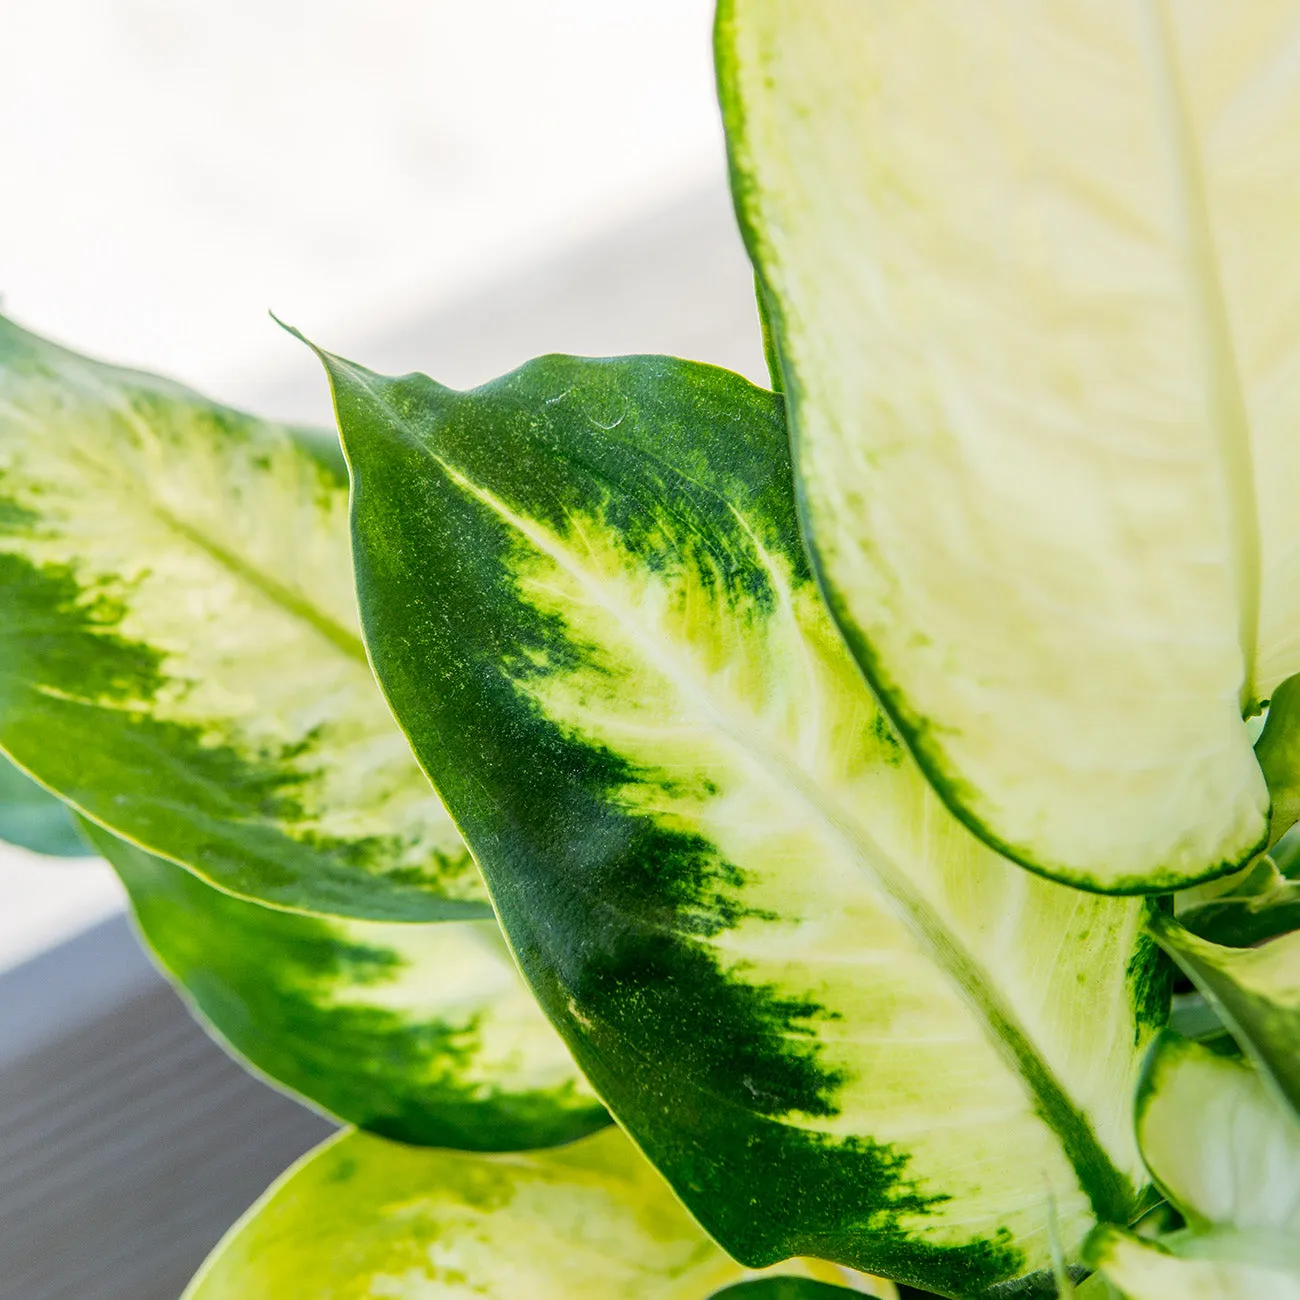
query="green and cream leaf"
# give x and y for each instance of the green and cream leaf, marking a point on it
(1032, 281)
(1259, 902)
(361, 1217)
(1232, 1267)
(421, 1032)
(1225, 1150)
(179, 650)
(1222, 1147)
(836, 1021)
(1256, 992)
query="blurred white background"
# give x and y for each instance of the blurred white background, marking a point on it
(174, 168)
(448, 185)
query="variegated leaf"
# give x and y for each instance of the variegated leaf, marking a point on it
(1219, 1267)
(1256, 992)
(1221, 1146)
(179, 651)
(1031, 272)
(1259, 902)
(1191, 1016)
(361, 1217)
(423, 1032)
(31, 817)
(1278, 752)
(835, 1020)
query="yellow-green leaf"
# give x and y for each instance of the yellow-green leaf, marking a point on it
(1196, 1268)
(179, 651)
(361, 1217)
(1278, 752)
(1226, 1151)
(1221, 1146)
(423, 1032)
(838, 1022)
(1256, 992)
(1032, 274)
(1259, 902)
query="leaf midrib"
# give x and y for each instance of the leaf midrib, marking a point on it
(1107, 1189)
(272, 590)
(276, 592)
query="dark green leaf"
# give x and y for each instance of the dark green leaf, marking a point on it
(771, 948)
(423, 1032)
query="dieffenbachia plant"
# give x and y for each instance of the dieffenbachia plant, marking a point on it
(424, 1033)
(770, 947)
(364, 1217)
(1226, 1151)
(179, 653)
(800, 779)
(1029, 281)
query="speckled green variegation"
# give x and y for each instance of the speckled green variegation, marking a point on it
(1029, 269)
(362, 1218)
(1256, 992)
(179, 651)
(836, 1021)
(421, 1032)
(32, 818)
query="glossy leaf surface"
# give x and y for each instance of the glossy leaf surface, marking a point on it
(1256, 992)
(422, 1032)
(179, 650)
(361, 1217)
(32, 818)
(1032, 278)
(1223, 1148)
(775, 954)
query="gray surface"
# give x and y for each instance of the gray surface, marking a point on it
(129, 1141)
(55, 995)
